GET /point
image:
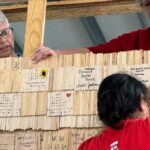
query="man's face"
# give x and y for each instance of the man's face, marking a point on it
(146, 5)
(6, 41)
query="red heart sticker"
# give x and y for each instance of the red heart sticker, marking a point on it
(68, 94)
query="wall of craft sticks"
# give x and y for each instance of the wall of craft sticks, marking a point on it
(52, 105)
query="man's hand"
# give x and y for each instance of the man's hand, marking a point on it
(42, 53)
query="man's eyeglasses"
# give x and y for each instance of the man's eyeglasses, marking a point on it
(6, 33)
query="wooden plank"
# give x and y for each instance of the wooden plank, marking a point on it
(75, 8)
(12, 1)
(92, 10)
(69, 3)
(85, 2)
(34, 26)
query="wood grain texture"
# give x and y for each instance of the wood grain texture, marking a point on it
(75, 8)
(35, 25)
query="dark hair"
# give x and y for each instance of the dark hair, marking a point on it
(119, 96)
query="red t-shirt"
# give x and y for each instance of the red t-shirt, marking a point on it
(135, 135)
(135, 40)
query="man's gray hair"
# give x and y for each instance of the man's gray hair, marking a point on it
(3, 18)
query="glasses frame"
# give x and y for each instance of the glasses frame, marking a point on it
(8, 33)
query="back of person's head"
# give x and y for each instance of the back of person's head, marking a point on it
(3, 18)
(119, 96)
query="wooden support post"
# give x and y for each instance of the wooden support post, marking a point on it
(35, 25)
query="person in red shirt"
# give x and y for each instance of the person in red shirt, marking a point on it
(123, 107)
(139, 39)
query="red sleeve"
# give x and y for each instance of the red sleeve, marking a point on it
(124, 42)
(112, 46)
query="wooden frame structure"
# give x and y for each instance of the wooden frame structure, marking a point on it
(74, 8)
(60, 9)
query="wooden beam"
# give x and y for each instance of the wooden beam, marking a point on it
(35, 25)
(93, 9)
(75, 8)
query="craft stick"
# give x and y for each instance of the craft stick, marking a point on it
(148, 57)
(41, 101)
(79, 60)
(99, 59)
(114, 58)
(29, 103)
(16, 63)
(76, 102)
(138, 57)
(17, 81)
(130, 57)
(53, 62)
(145, 57)
(68, 60)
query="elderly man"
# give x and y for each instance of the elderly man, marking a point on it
(6, 38)
(134, 40)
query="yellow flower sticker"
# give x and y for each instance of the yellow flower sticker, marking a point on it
(43, 73)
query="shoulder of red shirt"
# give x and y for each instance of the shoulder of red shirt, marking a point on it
(115, 45)
(95, 140)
